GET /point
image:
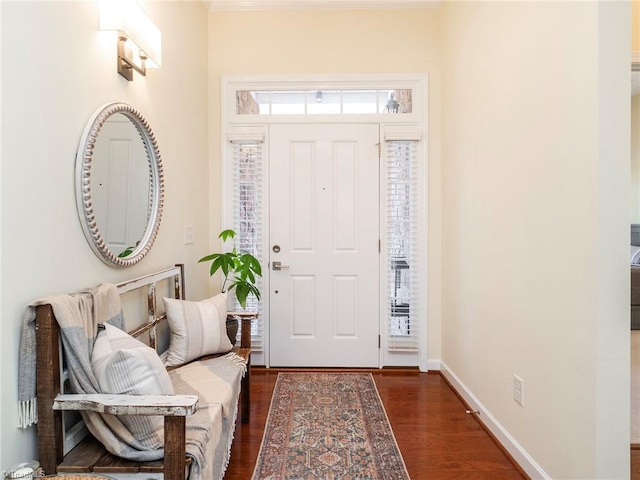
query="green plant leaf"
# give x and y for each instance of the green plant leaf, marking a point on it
(215, 265)
(255, 265)
(126, 252)
(228, 263)
(242, 291)
(251, 264)
(253, 289)
(226, 234)
(208, 258)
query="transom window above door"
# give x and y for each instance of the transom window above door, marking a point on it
(324, 102)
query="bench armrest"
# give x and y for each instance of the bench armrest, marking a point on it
(165, 405)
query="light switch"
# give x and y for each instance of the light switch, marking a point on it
(189, 236)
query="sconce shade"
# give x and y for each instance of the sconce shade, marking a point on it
(139, 39)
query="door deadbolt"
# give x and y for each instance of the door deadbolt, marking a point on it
(276, 248)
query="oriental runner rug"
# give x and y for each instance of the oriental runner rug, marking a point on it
(328, 426)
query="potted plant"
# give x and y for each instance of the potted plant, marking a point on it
(244, 267)
(240, 270)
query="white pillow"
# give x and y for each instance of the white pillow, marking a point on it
(197, 328)
(122, 364)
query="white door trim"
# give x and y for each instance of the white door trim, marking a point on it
(233, 122)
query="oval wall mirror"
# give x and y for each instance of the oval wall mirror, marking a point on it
(119, 185)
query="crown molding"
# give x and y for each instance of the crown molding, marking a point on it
(239, 5)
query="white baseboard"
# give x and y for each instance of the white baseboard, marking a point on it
(519, 454)
(433, 364)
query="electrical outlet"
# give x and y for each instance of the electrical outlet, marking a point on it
(518, 390)
(189, 236)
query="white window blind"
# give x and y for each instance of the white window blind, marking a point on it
(247, 164)
(401, 255)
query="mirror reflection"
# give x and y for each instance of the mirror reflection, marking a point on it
(120, 185)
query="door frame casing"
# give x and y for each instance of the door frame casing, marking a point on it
(233, 125)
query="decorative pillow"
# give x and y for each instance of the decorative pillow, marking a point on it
(635, 255)
(197, 328)
(122, 364)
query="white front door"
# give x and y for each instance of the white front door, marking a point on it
(324, 231)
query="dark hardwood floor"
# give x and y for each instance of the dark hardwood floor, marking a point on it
(635, 462)
(438, 440)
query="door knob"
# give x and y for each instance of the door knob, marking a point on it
(278, 266)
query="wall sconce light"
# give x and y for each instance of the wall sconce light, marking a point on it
(139, 40)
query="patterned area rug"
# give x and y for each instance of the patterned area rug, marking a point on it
(328, 426)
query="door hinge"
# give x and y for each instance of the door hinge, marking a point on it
(379, 245)
(379, 342)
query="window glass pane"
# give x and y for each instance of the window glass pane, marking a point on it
(263, 98)
(287, 103)
(396, 101)
(247, 160)
(324, 102)
(400, 297)
(360, 101)
(404, 97)
(401, 236)
(246, 103)
(384, 97)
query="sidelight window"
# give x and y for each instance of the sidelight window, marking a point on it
(402, 238)
(247, 160)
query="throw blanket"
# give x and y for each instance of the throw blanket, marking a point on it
(216, 381)
(78, 316)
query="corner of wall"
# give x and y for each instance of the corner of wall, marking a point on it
(517, 451)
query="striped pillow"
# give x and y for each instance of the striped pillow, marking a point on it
(197, 328)
(122, 364)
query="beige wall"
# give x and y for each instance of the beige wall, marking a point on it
(634, 205)
(57, 69)
(535, 226)
(635, 26)
(337, 42)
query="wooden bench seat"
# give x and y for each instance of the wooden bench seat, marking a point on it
(89, 455)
